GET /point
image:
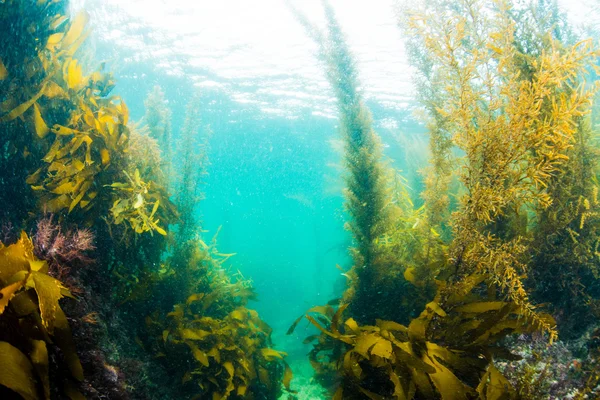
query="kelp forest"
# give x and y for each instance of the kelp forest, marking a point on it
(482, 281)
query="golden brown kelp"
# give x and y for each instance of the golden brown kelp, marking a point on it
(511, 135)
(216, 345)
(564, 269)
(192, 281)
(24, 27)
(444, 353)
(512, 146)
(375, 217)
(83, 130)
(32, 323)
(143, 154)
(67, 142)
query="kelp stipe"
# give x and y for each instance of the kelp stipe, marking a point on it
(158, 121)
(372, 190)
(192, 147)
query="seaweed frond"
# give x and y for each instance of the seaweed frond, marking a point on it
(32, 322)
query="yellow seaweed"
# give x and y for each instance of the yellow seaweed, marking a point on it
(76, 29)
(16, 372)
(32, 297)
(41, 129)
(3, 71)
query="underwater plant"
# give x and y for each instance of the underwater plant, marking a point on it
(209, 339)
(158, 120)
(193, 153)
(137, 205)
(563, 271)
(233, 358)
(566, 239)
(505, 136)
(144, 155)
(498, 119)
(443, 353)
(79, 162)
(377, 203)
(82, 131)
(33, 323)
(62, 250)
(23, 26)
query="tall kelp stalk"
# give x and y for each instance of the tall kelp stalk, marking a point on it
(158, 120)
(193, 153)
(373, 193)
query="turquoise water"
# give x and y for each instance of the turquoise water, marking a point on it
(274, 189)
(275, 179)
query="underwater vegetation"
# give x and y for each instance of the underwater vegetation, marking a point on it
(193, 146)
(116, 266)
(515, 133)
(158, 122)
(32, 321)
(80, 130)
(109, 288)
(377, 201)
(196, 322)
(226, 345)
(507, 100)
(439, 354)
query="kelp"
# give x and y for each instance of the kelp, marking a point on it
(192, 147)
(144, 155)
(138, 204)
(514, 132)
(563, 271)
(82, 129)
(445, 353)
(23, 26)
(209, 338)
(511, 134)
(565, 268)
(231, 356)
(32, 321)
(77, 155)
(376, 204)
